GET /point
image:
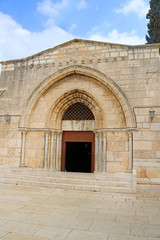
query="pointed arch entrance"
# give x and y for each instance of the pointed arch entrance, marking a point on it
(78, 149)
(77, 114)
(43, 117)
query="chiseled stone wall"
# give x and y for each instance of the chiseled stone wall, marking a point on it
(147, 144)
(34, 149)
(134, 69)
(10, 141)
(117, 152)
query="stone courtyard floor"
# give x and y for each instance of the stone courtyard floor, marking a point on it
(48, 214)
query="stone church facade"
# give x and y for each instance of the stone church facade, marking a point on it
(83, 106)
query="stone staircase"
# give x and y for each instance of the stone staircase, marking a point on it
(96, 182)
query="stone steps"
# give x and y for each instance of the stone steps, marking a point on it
(122, 182)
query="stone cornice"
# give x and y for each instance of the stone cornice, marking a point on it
(98, 43)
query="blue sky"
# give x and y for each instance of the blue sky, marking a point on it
(30, 26)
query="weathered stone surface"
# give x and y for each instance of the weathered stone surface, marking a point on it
(120, 84)
(45, 214)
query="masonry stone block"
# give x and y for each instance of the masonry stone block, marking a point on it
(119, 83)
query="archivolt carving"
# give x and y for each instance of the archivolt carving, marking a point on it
(81, 70)
(61, 105)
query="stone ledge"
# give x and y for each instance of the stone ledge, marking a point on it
(151, 181)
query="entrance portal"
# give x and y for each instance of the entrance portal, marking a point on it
(78, 156)
(78, 151)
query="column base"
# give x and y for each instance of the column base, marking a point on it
(22, 165)
(46, 168)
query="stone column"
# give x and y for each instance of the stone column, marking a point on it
(100, 152)
(96, 152)
(46, 151)
(52, 159)
(22, 160)
(58, 149)
(104, 152)
(130, 151)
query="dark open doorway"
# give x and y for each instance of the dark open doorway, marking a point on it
(78, 151)
(78, 156)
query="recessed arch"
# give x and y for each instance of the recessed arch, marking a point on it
(101, 78)
(58, 109)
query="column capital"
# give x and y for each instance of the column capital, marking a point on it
(56, 131)
(96, 132)
(25, 131)
(99, 131)
(60, 132)
(130, 134)
(47, 132)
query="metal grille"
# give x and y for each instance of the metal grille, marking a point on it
(78, 111)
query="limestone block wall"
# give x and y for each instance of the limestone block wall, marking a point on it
(147, 144)
(117, 152)
(135, 70)
(34, 149)
(10, 141)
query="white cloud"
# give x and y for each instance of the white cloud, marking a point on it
(82, 5)
(50, 9)
(72, 27)
(128, 38)
(140, 7)
(17, 42)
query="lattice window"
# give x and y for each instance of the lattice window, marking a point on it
(78, 111)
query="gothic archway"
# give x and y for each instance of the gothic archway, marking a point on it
(84, 71)
(56, 113)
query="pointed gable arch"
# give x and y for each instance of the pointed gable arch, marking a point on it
(98, 76)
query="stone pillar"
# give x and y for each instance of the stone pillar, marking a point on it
(57, 151)
(96, 152)
(46, 151)
(52, 159)
(60, 150)
(100, 152)
(104, 152)
(22, 160)
(130, 151)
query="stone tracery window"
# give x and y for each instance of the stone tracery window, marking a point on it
(78, 111)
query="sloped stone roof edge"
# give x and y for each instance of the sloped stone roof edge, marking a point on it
(76, 40)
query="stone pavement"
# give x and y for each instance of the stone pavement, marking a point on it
(46, 214)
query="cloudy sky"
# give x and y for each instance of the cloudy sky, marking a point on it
(30, 26)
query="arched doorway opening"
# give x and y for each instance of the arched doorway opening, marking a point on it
(48, 103)
(78, 146)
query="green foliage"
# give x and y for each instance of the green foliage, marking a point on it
(154, 22)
